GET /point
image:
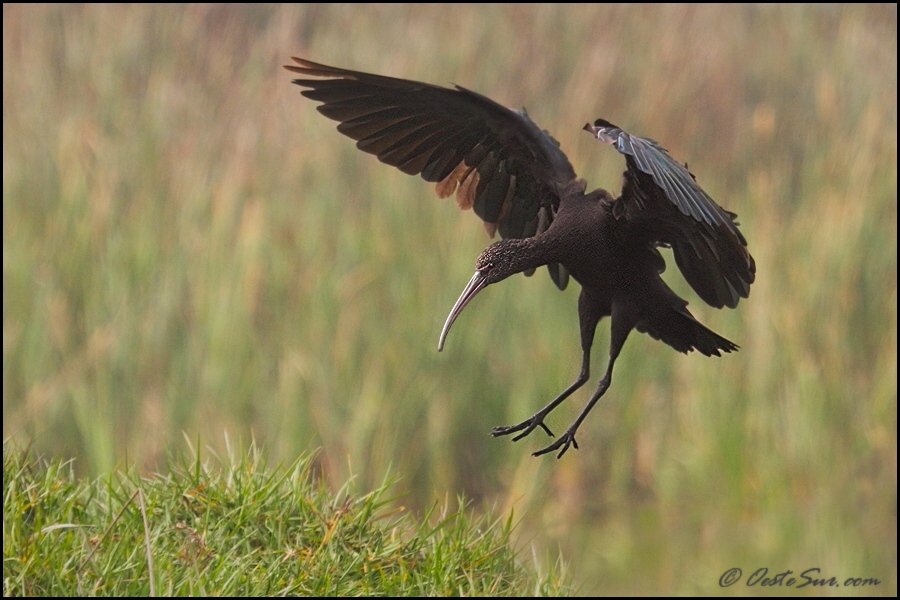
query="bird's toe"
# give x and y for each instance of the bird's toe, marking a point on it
(528, 426)
(562, 444)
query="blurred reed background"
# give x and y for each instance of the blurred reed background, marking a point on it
(190, 249)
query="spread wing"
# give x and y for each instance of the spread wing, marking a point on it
(496, 160)
(663, 200)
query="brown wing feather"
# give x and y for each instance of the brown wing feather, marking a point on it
(496, 160)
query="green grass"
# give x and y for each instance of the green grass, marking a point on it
(233, 527)
(189, 248)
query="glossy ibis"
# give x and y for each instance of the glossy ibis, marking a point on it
(518, 181)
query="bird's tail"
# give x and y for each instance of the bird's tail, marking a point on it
(683, 332)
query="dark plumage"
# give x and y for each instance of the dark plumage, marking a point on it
(518, 181)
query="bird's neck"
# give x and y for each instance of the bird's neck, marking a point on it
(530, 253)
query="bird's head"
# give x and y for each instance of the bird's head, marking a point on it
(497, 262)
(604, 131)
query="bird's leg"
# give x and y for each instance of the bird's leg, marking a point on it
(588, 317)
(620, 329)
(537, 419)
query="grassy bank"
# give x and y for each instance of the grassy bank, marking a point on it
(233, 527)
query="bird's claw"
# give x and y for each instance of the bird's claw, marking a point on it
(566, 440)
(528, 425)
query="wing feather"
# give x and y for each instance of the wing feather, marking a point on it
(662, 198)
(496, 160)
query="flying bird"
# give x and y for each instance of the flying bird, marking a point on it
(514, 176)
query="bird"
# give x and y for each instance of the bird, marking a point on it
(516, 178)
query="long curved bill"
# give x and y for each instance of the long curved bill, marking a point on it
(475, 285)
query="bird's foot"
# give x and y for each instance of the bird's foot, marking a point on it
(528, 425)
(567, 439)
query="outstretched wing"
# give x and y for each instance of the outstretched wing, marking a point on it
(496, 160)
(661, 198)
